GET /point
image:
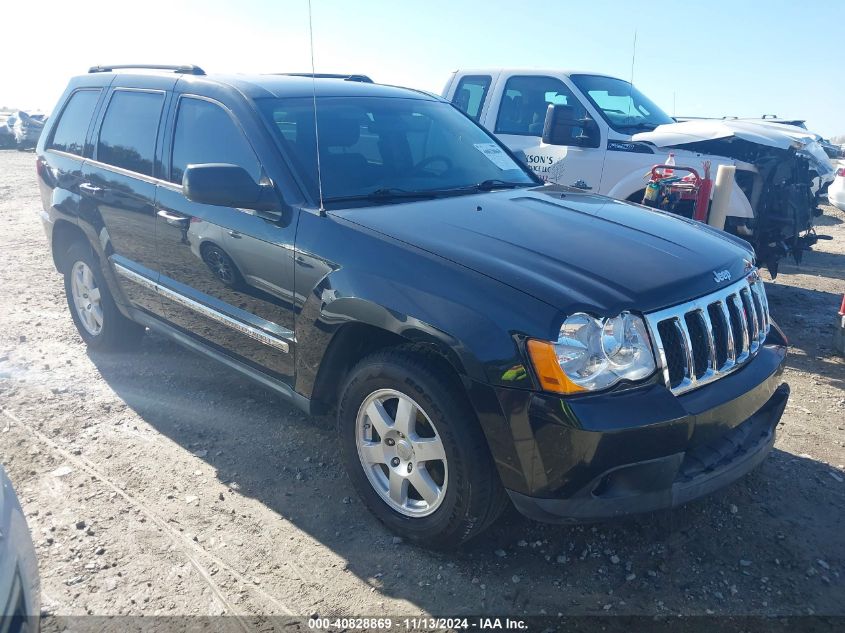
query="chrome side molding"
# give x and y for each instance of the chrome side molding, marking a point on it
(251, 331)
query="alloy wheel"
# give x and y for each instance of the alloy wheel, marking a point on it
(86, 298)
(401, 452)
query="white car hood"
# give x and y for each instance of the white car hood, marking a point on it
(672, 134)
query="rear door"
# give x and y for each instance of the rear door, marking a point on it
(226, 273)
(119, 185)
(470, 95)
(59, 166)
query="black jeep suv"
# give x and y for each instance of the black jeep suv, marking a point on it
(370, 249)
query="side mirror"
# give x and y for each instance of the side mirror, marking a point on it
(226, 185)
(562, 128)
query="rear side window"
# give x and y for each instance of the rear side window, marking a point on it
(128, 133)
(73, 123)
(471, 93)
(205, 133)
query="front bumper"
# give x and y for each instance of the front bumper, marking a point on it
(669, 481)
(607, 455)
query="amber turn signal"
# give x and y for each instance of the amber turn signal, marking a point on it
(548, 369)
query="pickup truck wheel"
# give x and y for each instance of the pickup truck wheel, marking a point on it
(99, 322)
(415, 452)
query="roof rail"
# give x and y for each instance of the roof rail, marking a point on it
(187, 69)
(361, 78)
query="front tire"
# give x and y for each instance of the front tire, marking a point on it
(415, 452)
(92, 307)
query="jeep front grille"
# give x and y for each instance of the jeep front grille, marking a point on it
(702, 340)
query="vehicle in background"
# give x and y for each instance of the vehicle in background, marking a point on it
(26, 128)
(832, 150)
(7, 135)
(20, 600)
(601, 133)
(836, 192)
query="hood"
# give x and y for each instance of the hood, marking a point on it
(674, 134)
(574, 251)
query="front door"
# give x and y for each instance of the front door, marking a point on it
(523, 103)
(226, 273)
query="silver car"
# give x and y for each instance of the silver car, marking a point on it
(20, 598)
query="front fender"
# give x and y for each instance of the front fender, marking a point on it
(476, 322)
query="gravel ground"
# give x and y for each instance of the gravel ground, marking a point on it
(161, 483)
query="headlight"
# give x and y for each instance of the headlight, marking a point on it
(592, 354)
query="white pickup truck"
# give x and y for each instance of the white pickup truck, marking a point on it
(602, 134)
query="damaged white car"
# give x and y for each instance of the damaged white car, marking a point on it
(600, 133)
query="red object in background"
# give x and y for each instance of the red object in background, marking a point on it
(702, 202)
(842, 307)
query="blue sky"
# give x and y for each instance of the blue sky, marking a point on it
(713, 58)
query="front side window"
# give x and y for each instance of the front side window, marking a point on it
(205, 133)
(525, 101)
(625, 108)
(128, 134)
(369, 144)
(72, 127)
(470, 95)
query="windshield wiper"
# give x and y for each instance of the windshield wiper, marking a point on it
(384, 194)
(495, 183)
(485, 185)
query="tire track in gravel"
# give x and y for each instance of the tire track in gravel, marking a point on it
(190, 549)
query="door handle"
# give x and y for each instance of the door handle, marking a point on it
(91, 190)
(235, 235)
(173, 219)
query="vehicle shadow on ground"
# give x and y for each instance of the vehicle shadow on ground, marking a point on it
(817, 264)
(716, 554)
(809, 319)
(826, 220)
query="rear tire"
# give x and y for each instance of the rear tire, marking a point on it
(415, 452)
(92, 307)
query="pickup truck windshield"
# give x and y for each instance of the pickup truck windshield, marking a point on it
(377, 149)
(625, 108)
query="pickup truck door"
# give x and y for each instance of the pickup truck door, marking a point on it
(226, 273)
(516, 117)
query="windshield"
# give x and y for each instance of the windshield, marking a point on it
(388, 146)
(624, 107)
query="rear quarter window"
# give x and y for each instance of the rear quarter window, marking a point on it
(471, 93)
(74, 120)
(128, 134)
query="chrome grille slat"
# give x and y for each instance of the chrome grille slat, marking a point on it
(754, 333)
(689, 371)
(761, 301)
(723, 305)
(740, 334)
(704, 315)
(743, 321)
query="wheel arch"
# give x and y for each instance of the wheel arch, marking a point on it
(356, 340)
(64, 234)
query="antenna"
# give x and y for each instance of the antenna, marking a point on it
(316, 126)
(631, 89)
